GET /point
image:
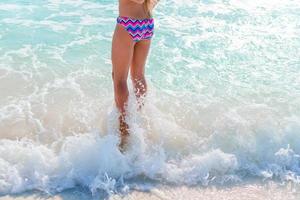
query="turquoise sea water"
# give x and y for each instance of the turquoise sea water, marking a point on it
(223, 102)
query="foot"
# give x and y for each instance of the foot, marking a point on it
(123, 146)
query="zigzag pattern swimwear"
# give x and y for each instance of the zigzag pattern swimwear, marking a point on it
(138, 29)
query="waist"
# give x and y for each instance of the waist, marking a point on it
(148, 19)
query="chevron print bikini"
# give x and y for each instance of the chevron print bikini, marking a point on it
(138, 29)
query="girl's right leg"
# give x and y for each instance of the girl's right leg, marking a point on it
(121, 56)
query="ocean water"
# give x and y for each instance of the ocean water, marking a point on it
(223, 104)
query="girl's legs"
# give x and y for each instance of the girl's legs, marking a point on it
(126, 52)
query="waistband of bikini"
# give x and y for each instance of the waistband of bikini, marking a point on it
(132, 18)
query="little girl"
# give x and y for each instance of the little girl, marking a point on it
(130, 47)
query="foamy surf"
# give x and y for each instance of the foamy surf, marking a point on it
(171, 156)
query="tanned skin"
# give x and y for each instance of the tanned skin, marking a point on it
(128, 56)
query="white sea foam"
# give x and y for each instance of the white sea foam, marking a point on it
(157, 150)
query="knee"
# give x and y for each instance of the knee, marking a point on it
(120, 85)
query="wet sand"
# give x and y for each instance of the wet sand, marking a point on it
(243, 191)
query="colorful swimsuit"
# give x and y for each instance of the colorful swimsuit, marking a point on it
(138, 29)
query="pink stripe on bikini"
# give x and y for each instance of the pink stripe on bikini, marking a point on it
(138, 29)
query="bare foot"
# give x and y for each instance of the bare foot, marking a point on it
(124, 133)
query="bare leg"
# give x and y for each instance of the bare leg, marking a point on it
(122, 53)
(137, 70)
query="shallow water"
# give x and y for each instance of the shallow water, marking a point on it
(223, 103)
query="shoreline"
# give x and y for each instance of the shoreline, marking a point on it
(247, 190)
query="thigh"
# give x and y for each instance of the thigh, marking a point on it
(122, 53)
(139, 58)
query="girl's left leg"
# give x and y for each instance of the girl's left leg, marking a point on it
(137, 69)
